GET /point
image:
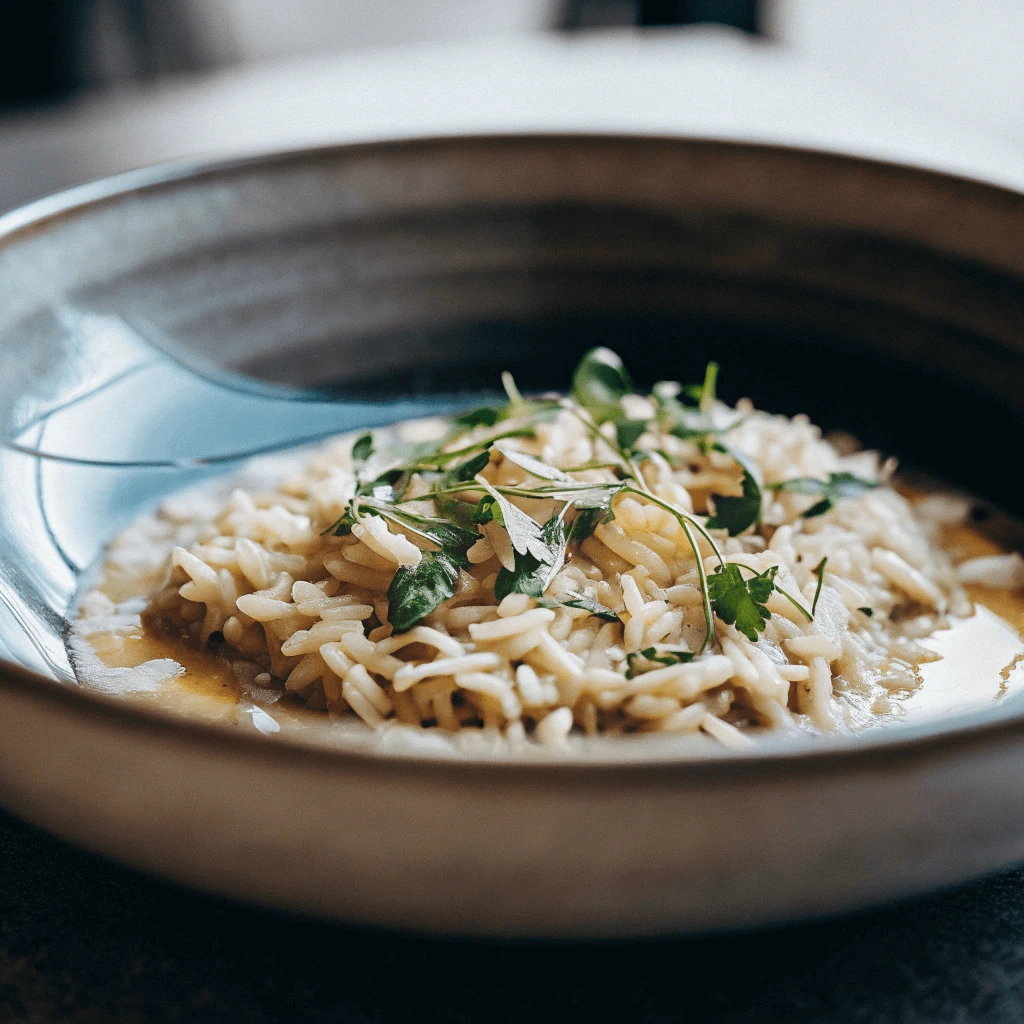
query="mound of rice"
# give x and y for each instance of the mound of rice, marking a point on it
(298, 610)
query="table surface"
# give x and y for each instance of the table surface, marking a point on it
(84, 940)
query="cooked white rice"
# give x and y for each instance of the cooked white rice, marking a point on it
(302, 612)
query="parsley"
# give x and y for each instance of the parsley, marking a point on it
(343, 526)
(465, 471)
(838, 485)
(446, 535)
(536, 567)
(741, 602)
(628, 432)
(587, 520)
(600, 383)
(820, 573)
(362, 449)
(659, 656)
(486, 416)
(460, 513)
(416, 591)
(535, 467)
(579, 601)
(736, 514)
(524, 533)
(390, 486)
(867, 611)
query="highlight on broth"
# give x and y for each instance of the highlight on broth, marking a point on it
(605, 562)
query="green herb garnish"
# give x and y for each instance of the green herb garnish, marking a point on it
(658, 656)
(587, 521)
(741, 602)
(416, 591)
(628, 432)
(485, 416)
(600, 383)
(465, 471)
(362, 449)
(837, 486)
(579, 601)
(536, 567)
(867, 611)
(737, 514)
(820, 573)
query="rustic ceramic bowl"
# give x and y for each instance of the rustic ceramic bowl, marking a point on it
(883, 299)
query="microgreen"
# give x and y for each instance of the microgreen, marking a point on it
(587, 521)
(820, 573)
(362, 449)
(628, 432)
(639, 662)
(463, 472)
(446, 535)
(704, 394)
(485, 416)
(600, 383)
(837, 486)
(535, 467)
(736, 514)
(581, 602)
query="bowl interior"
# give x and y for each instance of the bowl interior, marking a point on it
(881, 300)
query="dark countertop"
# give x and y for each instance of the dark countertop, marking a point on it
(84, 940)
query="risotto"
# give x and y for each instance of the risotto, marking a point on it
(601, 563)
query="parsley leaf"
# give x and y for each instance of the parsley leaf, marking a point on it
(461, 513)
(741, 602)
(600, 383)
(416, 591)
(579, 601)
(523, 531)
(465, 471)
(838, 485)
(389, 486)
(736, 514)
(485, 416)
(867, 611)
(448, 536)
(535, 467)
(362, 449)
(628, 432)
(537, 567)
(659, 656)
(587, 520)
(343, 526)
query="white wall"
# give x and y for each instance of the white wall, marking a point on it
(962, 57)
(254, 30)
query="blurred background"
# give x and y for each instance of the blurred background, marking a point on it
(91, 87)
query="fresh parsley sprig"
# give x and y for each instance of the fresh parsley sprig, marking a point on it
(836, 487)
(650, 658)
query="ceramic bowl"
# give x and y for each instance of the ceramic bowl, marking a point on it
(885, 300)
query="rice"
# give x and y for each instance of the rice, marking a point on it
(616, 642)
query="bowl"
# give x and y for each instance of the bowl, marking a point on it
(392, 277)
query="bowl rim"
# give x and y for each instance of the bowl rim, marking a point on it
(973, 729)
